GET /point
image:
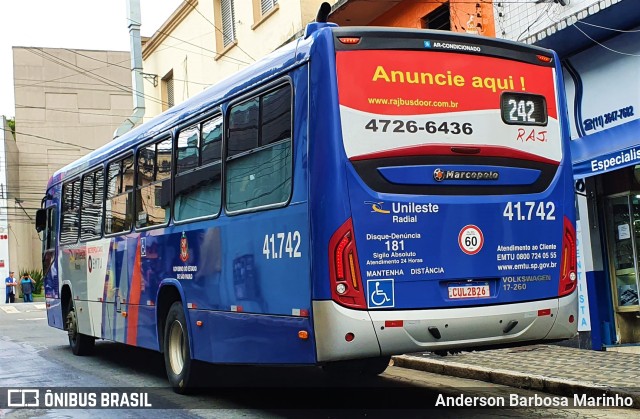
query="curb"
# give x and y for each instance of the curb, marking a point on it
(559, 386)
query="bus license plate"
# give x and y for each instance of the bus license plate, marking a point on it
(469, 291)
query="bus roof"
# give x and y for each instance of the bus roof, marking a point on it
(268, 67)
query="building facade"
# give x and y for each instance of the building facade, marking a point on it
(203, 42)
(597, 41)
(453, 15)
(8, 184)
(67, 103)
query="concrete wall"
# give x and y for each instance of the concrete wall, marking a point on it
(68, 102)
(8, 182)
(466, 16)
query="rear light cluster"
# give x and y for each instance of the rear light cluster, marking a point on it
(349, 40)
(569, 261)
(346, 283)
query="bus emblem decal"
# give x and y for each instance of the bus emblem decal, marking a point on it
(439, 175)
(184, 248)
(377, 207)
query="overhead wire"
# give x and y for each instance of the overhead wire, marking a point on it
(90, 74)
(603, 45)
(216, 28)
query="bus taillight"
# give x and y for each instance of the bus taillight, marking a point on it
(349, 40)
(569, 262)
(346, 285)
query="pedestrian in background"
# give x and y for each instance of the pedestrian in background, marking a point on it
(28, 285)
(10, 286)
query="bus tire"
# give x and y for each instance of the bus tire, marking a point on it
(375, 366)
(177, 354)
(80, 344)
(355, 368)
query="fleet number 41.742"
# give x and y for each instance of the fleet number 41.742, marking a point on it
(527, 211)
(282, 245)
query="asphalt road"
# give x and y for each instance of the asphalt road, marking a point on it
(33, 355)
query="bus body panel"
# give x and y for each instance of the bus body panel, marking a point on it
(438, 242)
(329, 206)
(227, 337)
(333, 322)
(406, 331)
(415, 244)
(232, 273)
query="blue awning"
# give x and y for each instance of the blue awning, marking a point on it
(611, 149)
(624, 15)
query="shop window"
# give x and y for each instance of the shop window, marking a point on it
(622, 214)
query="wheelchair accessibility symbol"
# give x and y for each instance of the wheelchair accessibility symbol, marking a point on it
(380, 293)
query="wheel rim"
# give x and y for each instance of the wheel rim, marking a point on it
(72, 328)
(177, 347)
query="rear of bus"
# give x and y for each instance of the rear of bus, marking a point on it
(453, 224)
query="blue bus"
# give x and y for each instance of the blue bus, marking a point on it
(358, 193)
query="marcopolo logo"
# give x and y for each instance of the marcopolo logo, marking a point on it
(439, 175)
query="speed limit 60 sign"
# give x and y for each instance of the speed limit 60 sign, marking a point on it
(470, 239)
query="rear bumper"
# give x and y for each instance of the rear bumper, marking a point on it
(458, 328)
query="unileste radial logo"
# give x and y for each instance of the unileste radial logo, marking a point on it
(377, 207)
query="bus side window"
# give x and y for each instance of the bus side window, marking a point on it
(70, 212)
(259, 154)
(49, 239)
(188, 149)
(153, 191)
(197, 183)
(91, 209)
(118, 205)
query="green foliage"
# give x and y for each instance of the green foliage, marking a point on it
(37, 276)
(12, 126)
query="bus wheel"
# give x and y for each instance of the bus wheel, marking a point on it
(80, 344)
(177, 358)
(357, 367)
(375, 366)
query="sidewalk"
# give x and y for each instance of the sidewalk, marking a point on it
(20, 301)
(548, 368)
